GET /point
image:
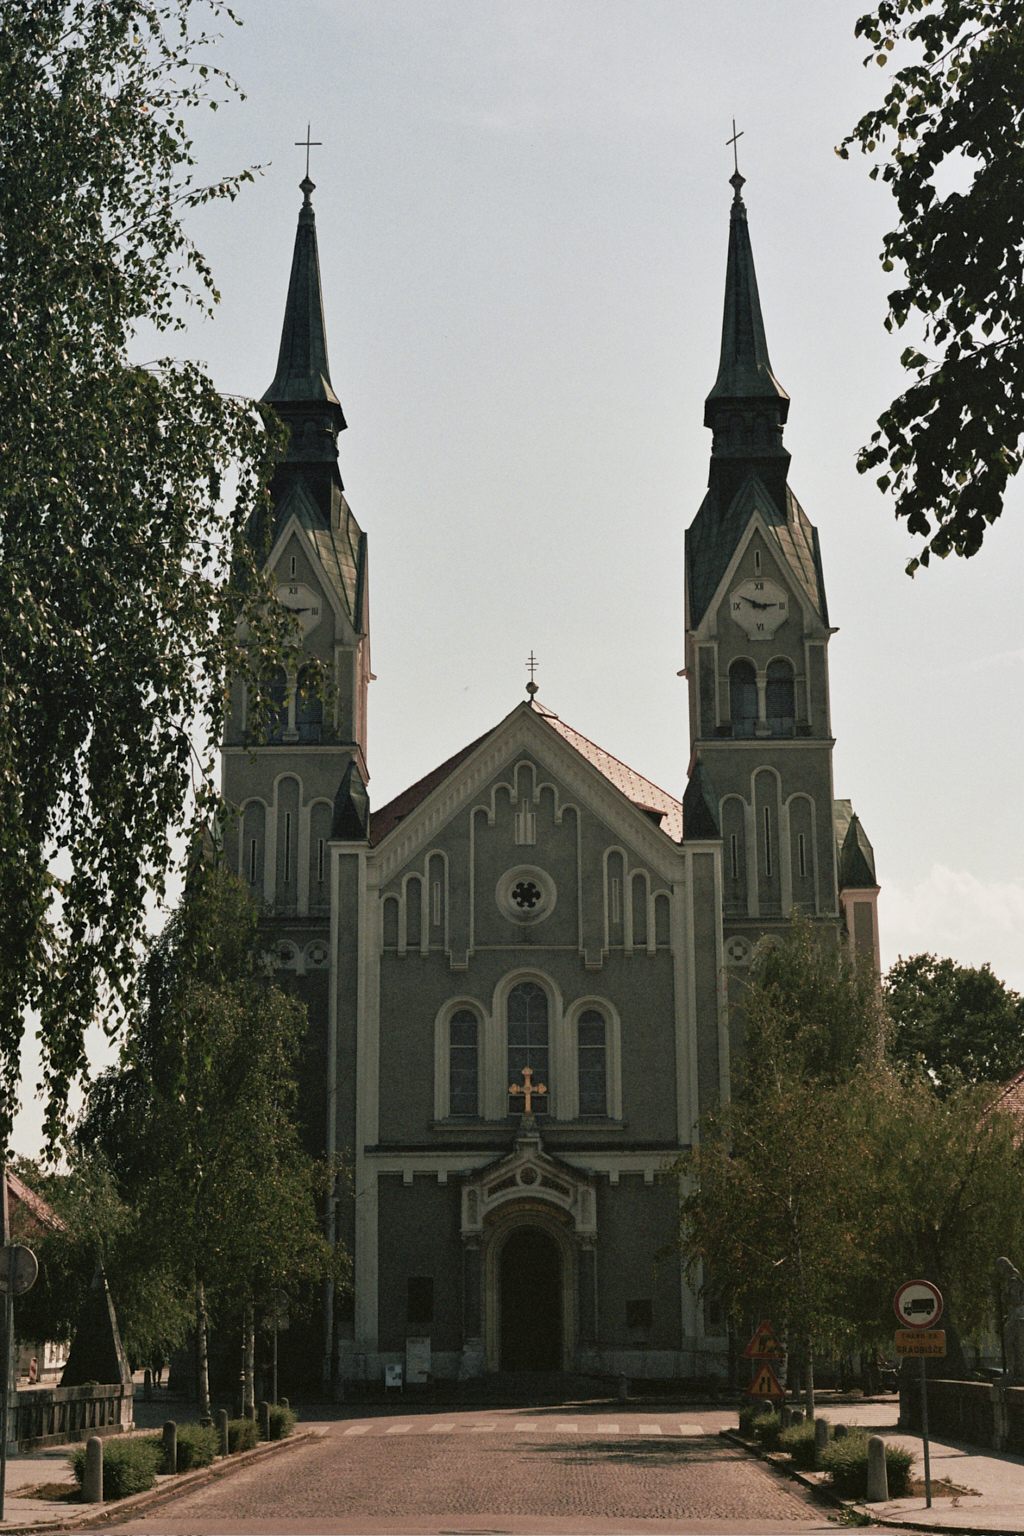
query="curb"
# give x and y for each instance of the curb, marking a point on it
(171, 1488)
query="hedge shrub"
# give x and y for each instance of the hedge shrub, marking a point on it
(767, 1429)
(748, 1413)
(129, 1465)
(243, 1435)
(846, 1462)
(798, 1440)
(282, 1422)
(197, 1446)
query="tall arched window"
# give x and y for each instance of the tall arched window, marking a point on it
(743, 697)
(464, 1063)
(277, 687)
(592, 1057)
(309, 706)
(528, 1043)
(780, 705)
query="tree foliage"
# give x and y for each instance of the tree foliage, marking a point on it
(124, 577)
(961, 1023)
(953, 113)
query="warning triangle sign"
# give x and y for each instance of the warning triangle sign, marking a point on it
(765, 1384)
(764, 1345)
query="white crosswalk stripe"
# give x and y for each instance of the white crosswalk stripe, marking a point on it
(648, 1429)
(690, 1429)
(569, 1429)
(607, 1429)
(398, 1429)
(357, 1429)
(479, 1429)
(441, 1429)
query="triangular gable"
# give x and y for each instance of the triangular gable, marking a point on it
(714, 541)
(430, 803)
(340, 553)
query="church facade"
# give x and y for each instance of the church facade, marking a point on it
(518, 972)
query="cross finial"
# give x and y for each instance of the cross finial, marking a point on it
(735, 180)
(530, 1091)
(532, 665)
(307, 144)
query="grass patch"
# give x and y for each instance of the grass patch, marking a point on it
(243, 1435)
(129, 1465)
(282, 1422)
(846, 1462)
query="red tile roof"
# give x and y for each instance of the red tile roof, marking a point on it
(20, 1194)
(645, 796)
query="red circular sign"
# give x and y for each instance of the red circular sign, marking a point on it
(918, 1304)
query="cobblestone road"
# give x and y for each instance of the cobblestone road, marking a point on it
(541, 1470)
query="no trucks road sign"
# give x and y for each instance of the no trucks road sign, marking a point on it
(918, 1304)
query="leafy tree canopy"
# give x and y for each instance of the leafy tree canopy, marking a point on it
(963, 1024)
(126, 587)
(951, 126)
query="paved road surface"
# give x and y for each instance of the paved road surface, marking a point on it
(510, 1470)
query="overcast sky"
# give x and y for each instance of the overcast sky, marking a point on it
(523, 209)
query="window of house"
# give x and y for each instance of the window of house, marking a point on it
(309, 707)
(463, 1063)
(528, 1044)
(592, 1055)
(743, 697)
(420, 1302)
(780, 706)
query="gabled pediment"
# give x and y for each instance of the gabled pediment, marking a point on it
(297, 525)
(578, 780)
(528, 1173)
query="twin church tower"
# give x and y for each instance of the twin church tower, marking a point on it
(535, 912)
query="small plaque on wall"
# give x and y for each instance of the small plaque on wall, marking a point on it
(417, 1360)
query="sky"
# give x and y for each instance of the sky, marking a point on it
(522, 209)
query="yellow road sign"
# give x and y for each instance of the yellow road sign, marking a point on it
(765, 1384)
(921, 1341)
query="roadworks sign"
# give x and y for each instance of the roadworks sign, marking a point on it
(764, 1345)
(921, 1341)
(765, 1384)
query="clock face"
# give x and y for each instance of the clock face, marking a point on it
(303, 602)
(759, 607)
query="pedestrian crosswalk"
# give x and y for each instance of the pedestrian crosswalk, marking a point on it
(538, 1424)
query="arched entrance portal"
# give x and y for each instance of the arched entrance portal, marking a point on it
(531, 1302)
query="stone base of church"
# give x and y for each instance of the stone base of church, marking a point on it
(706, 1361)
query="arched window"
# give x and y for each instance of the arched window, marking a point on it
(528, 1043)
(592, 1056)
(309, 706)
(780, 704)
(743, 697)
(276, 686)
(464, 1063)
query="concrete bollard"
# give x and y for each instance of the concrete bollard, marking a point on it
(623, 1389)
(170, 1446)
(798, 1415)
(840, 1432)
(878, 1477)
(205, 1422)
(786, 1415)
(820, 1440)
(264, 1421)
(284, 1403)
(92, 1485)
(222, 1430)
(147, 1385)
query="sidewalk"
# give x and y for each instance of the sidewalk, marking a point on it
(997, 1478)
(30, 1470)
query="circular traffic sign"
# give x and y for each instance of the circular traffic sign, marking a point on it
(918, 1304)
(18, 1269)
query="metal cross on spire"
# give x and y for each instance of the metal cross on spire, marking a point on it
(736, 180)
(307, 144)
(532, 665)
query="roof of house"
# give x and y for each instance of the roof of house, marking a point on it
(660, 806)
(44, 1214)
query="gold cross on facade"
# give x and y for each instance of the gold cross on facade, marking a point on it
(528, 1091)
(733, 141)
(307, 144)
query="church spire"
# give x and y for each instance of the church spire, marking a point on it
(302, 383)
(747, 407)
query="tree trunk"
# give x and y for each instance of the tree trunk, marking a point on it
(248, 1360)
(202, 1353)
(809, 1380)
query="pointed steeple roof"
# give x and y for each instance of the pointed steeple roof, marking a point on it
(744, 368)
(303, 374)
(747, 407)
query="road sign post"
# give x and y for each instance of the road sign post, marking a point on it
(918, 1305)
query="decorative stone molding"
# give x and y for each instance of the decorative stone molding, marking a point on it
(528, 1172)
